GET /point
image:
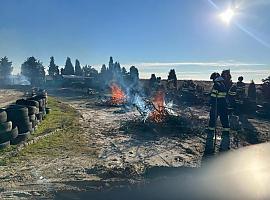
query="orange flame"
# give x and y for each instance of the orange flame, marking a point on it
(118, 96)
(159, 114)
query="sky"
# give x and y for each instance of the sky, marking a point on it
(154, 35)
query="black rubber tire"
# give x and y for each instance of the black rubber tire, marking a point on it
(27, 102)
(7, 136)
(39, 116)
(5, 126)
(16, 112)
(5, 145)
(34, 123)
(23, 128)
(4, 137)
(32, 110)
(48, 110)
(32, 118)
(20, 138)
(14, 133)
(3, 115)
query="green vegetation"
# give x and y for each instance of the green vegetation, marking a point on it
(68, 138)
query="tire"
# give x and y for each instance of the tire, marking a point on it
(5, 127)
(32, 117)
(48, 110)
(14, 133)
(32, 110)
(4, 137)
(10, 135)
(34, 124)
(27, 102)
(5, 145)
(20, 138)
(16, 112)
(23, 128)
(3, 116)
(39, 116)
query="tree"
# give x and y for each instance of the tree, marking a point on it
(111, 64)
(34, 71)
(88, 71)
(172, 77)
(134, 74)
(78, 69)
(69, 69)
(124, 71)
(266, 88)
(5, 67)
(117, 68)
(53, 68)
(103, 70)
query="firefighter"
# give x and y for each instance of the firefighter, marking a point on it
(226, 75)
(219, 108)
(240, 95)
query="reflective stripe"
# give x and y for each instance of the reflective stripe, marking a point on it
(225, 129)
(232, 93)
(218, 95)
(211, 128)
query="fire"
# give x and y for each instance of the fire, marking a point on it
(118, 96)
(159, 113)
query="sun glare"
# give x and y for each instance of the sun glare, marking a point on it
(227, 15)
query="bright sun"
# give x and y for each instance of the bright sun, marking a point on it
(227, 15)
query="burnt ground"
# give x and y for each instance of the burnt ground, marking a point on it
(118, 150)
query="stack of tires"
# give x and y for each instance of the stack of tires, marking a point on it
(41, 107)
(19, 116)
(42, 98)
(33, 110)
(8, 132)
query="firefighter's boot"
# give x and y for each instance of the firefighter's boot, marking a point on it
(209, 144)
(225, 141)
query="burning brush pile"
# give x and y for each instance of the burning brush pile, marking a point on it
(159, 117)
(118, 97)
(155, 112)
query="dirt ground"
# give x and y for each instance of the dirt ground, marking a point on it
(121, 155)
(9, 96)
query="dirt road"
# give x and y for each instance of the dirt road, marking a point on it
(110, 152)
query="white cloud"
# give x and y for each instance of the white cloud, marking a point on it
(203, 64)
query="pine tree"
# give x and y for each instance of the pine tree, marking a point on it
(69, 69)
(134, 74)
(103, 70)
(172, 77)
(124, 71)
(111, 64)
(5, 67)
(53, 68)
(88, 71)
(34, 71)
(78, 69)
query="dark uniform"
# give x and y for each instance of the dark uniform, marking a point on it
(236, 96)
(240, 91)
(219, 108)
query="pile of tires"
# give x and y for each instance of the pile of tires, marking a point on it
(8, 132)
(41, 106)
(19, 116)
(33, 110)
(18, 121)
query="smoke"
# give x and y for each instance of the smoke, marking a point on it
(17, 80)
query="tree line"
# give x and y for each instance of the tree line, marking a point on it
(34, 70)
